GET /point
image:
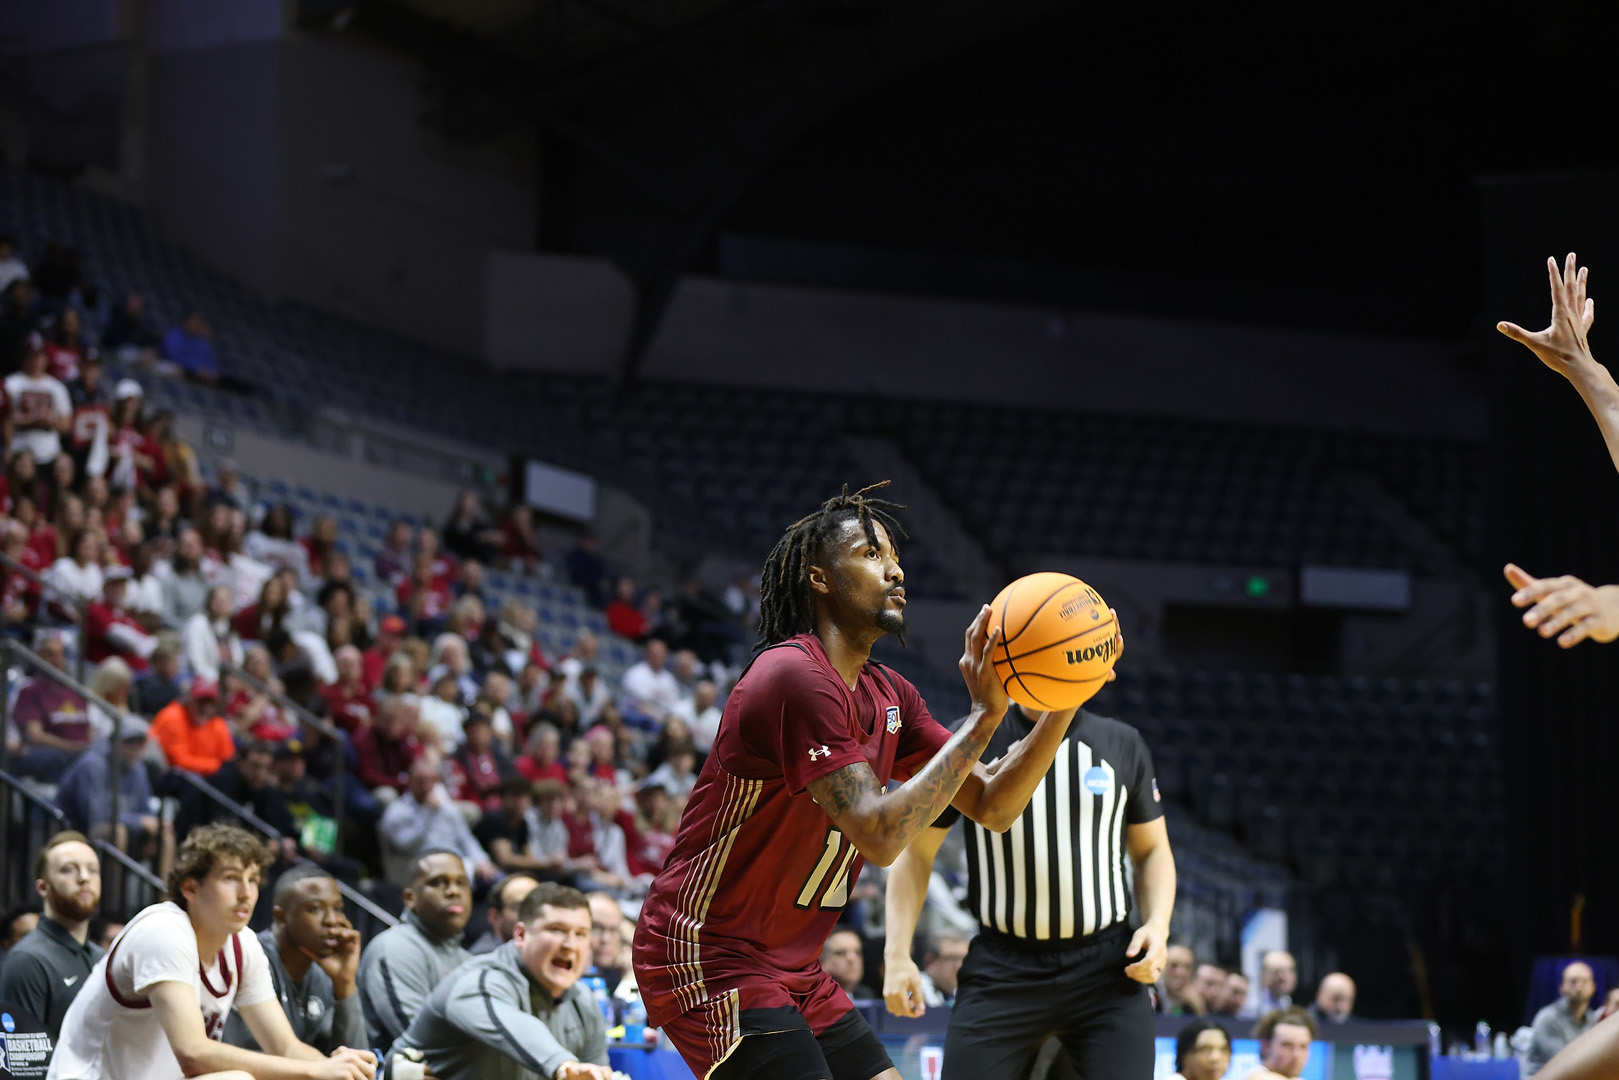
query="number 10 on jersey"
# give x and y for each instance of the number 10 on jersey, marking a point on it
(834, 863)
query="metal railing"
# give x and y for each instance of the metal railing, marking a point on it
(270, 832)
(78, 606)
(309, 719)
(19, 878)
(15, 651)
(11, 650)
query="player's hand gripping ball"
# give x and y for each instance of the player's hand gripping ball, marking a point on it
(1058, 641)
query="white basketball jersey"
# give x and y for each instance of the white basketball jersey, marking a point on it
(111, 1032)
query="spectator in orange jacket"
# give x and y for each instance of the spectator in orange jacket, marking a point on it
(192, 733)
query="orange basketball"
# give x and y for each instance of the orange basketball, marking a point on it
(1058, 641)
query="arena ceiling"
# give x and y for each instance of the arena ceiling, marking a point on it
(1260, 163)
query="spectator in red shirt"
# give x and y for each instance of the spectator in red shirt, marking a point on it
(390, 635)
(483, 761)
(348, 700)
(384, 751)
(624, 618)
(425, 597)
(66, 346)
(90, 433)
(542, 754)
(394, 557)
(55, 722)
(256, 620)
(595, 837)
(603, 754)
(41, 549)
(427, 544)
(650, 831)
(112, 631)
(318, 544)
(254, 715)
(18, 595)
(521, 548)
(126, 445)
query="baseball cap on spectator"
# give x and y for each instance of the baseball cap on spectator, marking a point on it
(288, 750)
(117, 573)
(92, 355)
(131, 728)
(126, 389)
(34, 342)
(204, 688)
(392, 624)
(651, 783)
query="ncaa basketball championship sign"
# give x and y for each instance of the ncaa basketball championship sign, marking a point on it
(25, 1049)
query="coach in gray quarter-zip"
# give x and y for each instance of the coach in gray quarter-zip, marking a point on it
(518, 1012)
(401, 965)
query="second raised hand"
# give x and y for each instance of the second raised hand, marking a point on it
(1564, 344)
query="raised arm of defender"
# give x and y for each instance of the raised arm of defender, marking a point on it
(881, 824)
(1565, 347)
(1566, 606)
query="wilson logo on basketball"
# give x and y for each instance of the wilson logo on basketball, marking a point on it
(1104, 652)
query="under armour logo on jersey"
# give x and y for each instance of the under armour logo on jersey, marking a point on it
(893, 719)
(822, 752)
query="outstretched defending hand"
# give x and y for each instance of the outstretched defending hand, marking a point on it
(902, 988)
(1566, 604)
(978, 666)
(1562, 346)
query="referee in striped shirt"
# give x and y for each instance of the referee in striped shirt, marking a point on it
(1056, 956)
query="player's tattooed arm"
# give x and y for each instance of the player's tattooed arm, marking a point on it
(881, 823)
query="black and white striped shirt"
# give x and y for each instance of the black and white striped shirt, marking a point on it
(1058, 873)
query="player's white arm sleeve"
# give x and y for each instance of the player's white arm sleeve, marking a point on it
(481, 1008)
(908, 880)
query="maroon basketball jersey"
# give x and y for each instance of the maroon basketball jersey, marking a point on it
(759, 873)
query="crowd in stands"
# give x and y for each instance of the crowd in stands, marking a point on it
(239, 648)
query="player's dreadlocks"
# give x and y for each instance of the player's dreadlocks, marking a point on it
(786, 605)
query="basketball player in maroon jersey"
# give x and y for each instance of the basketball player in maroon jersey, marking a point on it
(1566, 606)
(794, 798)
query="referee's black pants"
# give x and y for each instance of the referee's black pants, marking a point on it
(1010, 998)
